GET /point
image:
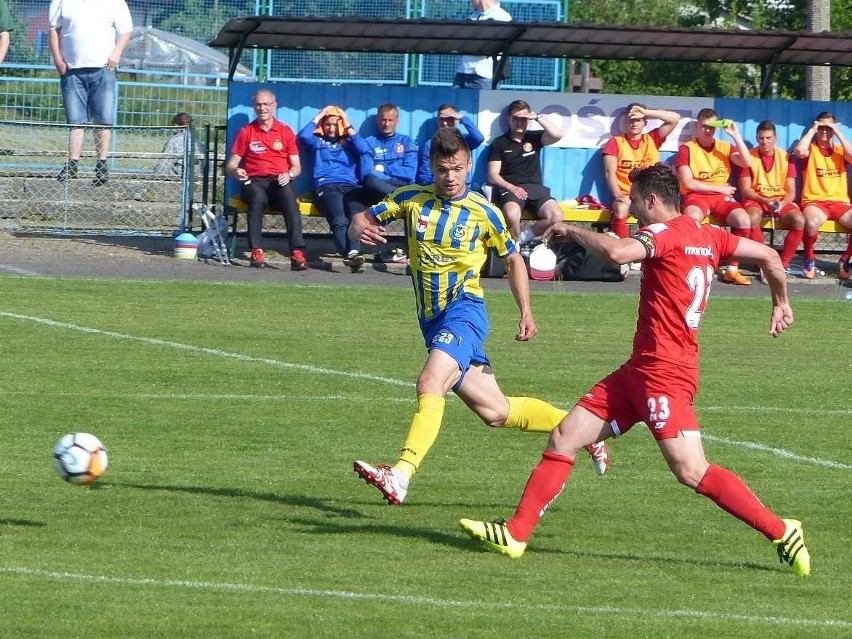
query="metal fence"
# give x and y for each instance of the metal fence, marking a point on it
(201, 20)
(147, 190)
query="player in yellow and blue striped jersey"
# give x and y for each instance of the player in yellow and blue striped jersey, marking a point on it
(449, 230)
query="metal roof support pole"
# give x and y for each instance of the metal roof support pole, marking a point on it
(767, 71)
(504, 55)
(566, 68)
(498, 70)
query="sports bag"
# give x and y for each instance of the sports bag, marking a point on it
(575, 263)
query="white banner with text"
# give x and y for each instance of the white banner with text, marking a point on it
(588, 119)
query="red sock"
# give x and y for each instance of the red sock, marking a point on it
(544, 485)
(619, 227)
(847, 254)
(756, 234)
(809, 241)
(791, 243)
(732, 495)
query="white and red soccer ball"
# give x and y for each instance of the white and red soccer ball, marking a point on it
(80, 458)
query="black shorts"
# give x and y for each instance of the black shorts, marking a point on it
(537, 195)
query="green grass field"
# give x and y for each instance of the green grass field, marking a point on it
(233, 412)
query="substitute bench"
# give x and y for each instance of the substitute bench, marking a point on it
(572, 214)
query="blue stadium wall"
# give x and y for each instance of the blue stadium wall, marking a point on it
(573, 168)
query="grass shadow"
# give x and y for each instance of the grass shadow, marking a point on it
(22, 522)
(322, 505)
(462, 542)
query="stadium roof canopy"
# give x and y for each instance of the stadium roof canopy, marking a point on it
(535, 39)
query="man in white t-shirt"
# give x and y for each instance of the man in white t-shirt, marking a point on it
(87, 38)
(477, 72)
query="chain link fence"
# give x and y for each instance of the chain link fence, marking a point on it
(147, 191)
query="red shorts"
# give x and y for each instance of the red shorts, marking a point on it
(767, 212)
(661, 395)
(715, 204)
(833, 210)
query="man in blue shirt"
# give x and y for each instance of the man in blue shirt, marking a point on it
(448, 116)
(392, 161)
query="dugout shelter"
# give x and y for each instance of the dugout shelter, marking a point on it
(573, 166)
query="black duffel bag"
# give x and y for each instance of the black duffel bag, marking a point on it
(575, 263)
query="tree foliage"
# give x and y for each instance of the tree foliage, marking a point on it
(709, 79)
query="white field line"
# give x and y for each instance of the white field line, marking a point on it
(430, 602)
(207, 351)
(388, 380)
(776, 409)
(222, 396)
(778, 452)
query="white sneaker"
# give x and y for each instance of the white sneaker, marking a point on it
(599, 453)
(398, 256)
(391, 482)
(355, 261)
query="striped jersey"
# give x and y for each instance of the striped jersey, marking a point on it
(448, 241)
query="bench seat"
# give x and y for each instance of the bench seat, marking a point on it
(571, 214)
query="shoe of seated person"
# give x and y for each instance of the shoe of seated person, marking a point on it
(792, 550)
(495, 535)
(809, 270)
(257, 260)
(298, 261)
(398, 256)
(844, 269)
(391, 482)
(736, 277)
(355, 261)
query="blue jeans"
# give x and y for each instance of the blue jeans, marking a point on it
(89, 92)
(375, 188)
(338, 202)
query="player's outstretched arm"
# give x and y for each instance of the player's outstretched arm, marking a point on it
(617, 250)
(364, 228)
(770, 264)
(520, 285)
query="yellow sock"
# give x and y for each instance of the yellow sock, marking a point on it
(532, 415)
(422, 433)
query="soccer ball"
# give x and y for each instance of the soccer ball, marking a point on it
(80, 458)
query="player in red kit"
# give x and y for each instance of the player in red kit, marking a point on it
(657, 385)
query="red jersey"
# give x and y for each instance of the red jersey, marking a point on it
(683, 256)
(265, 153)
